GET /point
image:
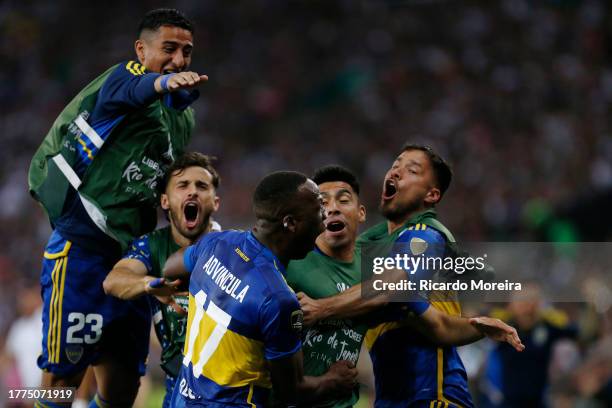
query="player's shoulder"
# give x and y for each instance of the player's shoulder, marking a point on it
(160, 234)
(422, 231)
(129, 68)
(123, 72)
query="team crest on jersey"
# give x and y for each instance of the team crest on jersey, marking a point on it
(297, 321)
(74, 353)
(418, 246)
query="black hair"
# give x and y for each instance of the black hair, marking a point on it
(334, 172)
(164, 17)
(191, 159)
(276, 192)
(442, 171)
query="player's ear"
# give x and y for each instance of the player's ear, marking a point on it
(216, 203)
(362, 214)
(164, 202)
(433, 196)
(288, 223)
(139, 47)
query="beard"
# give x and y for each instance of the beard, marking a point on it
(396, 212)
(190, 234)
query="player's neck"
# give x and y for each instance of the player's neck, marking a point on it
(273, 242)
(344, 253)
(398, 222)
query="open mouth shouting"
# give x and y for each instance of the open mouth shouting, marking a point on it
(389, 190)
(191, 212)
(334, 226)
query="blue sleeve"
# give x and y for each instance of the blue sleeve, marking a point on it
(419, 240)
(140, 251)
(425, 242)
(192, 253)
(189, 258)
(281, 320)
(128, 87)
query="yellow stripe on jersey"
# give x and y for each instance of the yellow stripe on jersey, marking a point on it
(60, 254)
(51, 332)
(374, 333)
(250, 397)
(61, 303)
(445, 301)
(58, 276)
(134, 68)
(440, 381)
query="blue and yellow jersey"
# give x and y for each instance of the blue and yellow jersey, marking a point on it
(241, 315)
(407, 367)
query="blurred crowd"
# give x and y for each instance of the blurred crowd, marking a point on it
(516, 94)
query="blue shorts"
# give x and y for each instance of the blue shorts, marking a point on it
(169, 397)
(80, 322)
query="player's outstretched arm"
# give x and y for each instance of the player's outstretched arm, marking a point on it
(450, 330)
(129, 280)
(181, 80)
(292, 388)
(347, 304)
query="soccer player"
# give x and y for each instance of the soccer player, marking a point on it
(96, 175)
(244, 324)
(189, 198)
(332, 267)
(415, 368)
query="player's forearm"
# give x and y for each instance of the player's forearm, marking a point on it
(124, 284)
(449, 330)
(350, 303)
(316, 389)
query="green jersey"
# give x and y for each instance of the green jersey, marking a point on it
(96, 172)
(153, 250)
(330, 340)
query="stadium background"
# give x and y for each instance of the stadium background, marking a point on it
(516, 94)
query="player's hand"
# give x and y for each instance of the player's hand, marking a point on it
(344, 374)
(184, 80)
(161, 286)
(497, 330)
(313, 309)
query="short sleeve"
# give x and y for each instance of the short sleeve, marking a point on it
(281, 320)
(189, 258)
(419, 241)
(140, 251)
(424, 242)
(192, 253)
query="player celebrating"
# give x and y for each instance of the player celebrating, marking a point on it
(96, 174)
(329, 269)
(190, 198)
(244, 324)
(431, 376)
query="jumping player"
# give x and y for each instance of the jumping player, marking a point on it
(96, 175)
